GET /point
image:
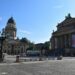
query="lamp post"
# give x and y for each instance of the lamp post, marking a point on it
(2, 38)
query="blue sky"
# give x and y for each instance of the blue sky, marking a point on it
(35, 19)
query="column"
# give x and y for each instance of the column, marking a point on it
(52, 43)
(56, 44)
(59, 42)
(65, 38)
(63, 41)
(70, 40)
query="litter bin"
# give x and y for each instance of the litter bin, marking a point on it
(17, 58)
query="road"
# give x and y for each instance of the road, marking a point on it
(51, 67)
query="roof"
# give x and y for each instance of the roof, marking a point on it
(68, 20)
(10, 24)
(11, 20)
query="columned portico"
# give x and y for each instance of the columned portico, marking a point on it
(64, 37)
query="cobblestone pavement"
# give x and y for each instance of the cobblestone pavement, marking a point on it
(52, 67)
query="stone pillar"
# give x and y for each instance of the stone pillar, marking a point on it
(65, 38)
(56, 43)
(70, 40)
(52, 43)
(63, 41)
(59, 42)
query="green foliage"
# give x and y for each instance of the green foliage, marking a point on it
(24, 40)
(31, 46)
(46, 45)
(41, 46)
(38, 46)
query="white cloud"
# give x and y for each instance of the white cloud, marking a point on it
(58, 6)
(24, 32)
(0, 18)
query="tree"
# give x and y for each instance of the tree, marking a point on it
(25, 43)
(24, 40)
(31, 46)
(39, 46)
(47, 45)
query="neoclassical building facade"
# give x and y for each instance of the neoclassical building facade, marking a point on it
(11, 44)
(63, 39)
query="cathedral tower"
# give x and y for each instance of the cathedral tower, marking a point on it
(10, 29)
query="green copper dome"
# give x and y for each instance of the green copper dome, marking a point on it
(11, 20)
(11, 24)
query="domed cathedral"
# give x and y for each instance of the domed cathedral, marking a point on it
(10, 29)
(11, 44)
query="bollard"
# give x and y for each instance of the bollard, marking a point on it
(59, 57)
(40, 59)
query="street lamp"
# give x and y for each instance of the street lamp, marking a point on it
(2, 38)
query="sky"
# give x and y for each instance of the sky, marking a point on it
(35, 19)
